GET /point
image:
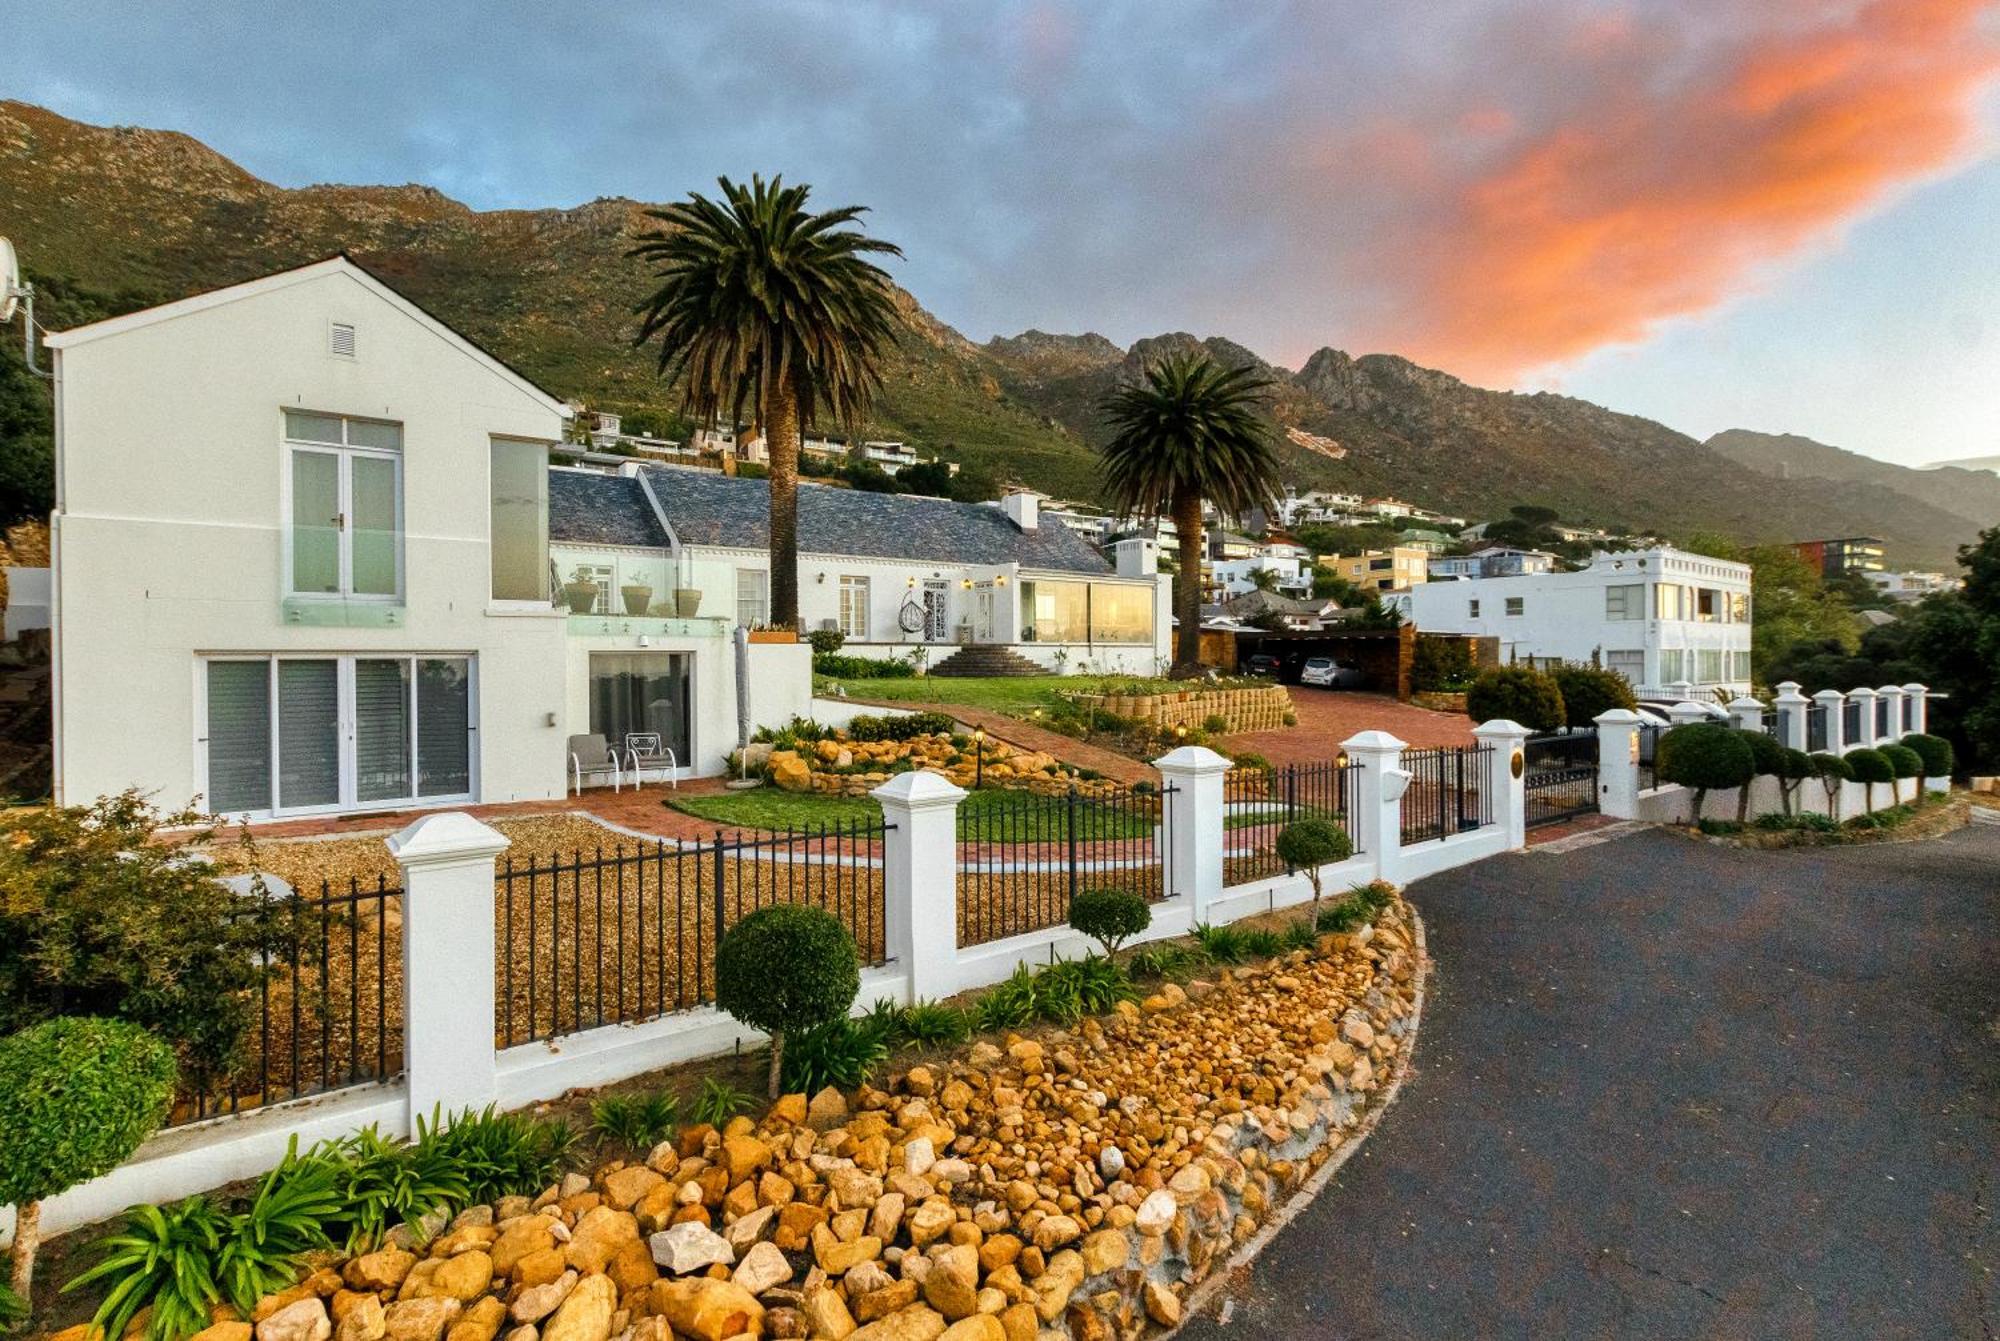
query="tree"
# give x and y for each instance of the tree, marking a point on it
(1705, 757)
(786, 969)
(1331, 586)
(1189, 432)
(764, 303)
(1767, 758)
(1109, 916)
(1792, 605)
(1310, 843)
(1870, 767)
(1793, 769)
(1264, 579)
(1591, 691)
(1831, 770)
(1516, 694)
(1373, 614)
(926, 477)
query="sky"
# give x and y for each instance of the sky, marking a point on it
(1769, 214)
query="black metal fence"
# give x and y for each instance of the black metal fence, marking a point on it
(1883, 729)
(327, 1010)
(1850, 721)
(1816, 727)
(618, 936)
(1261, 802)
(1447, 792)
(1022, 855)
(1559, 777)
(1649, 749)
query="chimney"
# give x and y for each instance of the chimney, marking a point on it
(1023, 509)
(1136, 556)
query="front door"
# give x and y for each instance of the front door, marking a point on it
(937, 628)
(982, 614)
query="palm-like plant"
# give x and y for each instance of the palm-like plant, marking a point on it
(765, 303)
(1189, 432)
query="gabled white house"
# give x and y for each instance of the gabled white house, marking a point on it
(301, 565)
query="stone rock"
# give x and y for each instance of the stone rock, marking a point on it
(828, 1109)
(880, 1298)
(1106, 1250)
(516, 1241)
(919, 1155)
(1163, 1306)
(689, 1247)
(1354, 1027)
(952, 1287)
(743, 1156)
(624, 1187)
(536, 1303)
(229, 1329)
(539, 1268)
(1086, 1324)
(464, 1277)
(420, 1319)
(1156, 1212)
(790, 1111)
(586, 1314)
(915, 1323)
(597, 1238)
(826, 1315)
(1110, 1162)
(363, 1320)
(633, 1268)
(835, 1257)
(1019, 1322)
(854, 1188)
(379, 1271)
(480, 1322)
(930, 1221)
(708, 1309)
(750, 1227)
(1055, 1231)
(789, 771)
(762, 1267)
(301, 1320)
(978, 1327)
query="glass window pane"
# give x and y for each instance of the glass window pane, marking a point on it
(308, 733)
(520, 521)
(315, 518)
(1055, 612)
(444, 724)
(370, 433)
(373, 527)
(1120, 613)
(643, 692)
(381, 730)
(304, 427)
(239, 736)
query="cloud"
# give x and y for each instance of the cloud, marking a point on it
(1682, 167)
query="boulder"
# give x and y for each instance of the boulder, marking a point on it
(597, 1238)
(537, 1302)
(689, 1247)
(586, 1314)
(420, 1319)
(952, 1287)
(624, 1187)
(762, 1267)
(826, 1315)
(300, 1320)
(464, 1277)
(528, 1235)
(481, 1322)
(362, 1321)
(707, 1309)
(379, 1271)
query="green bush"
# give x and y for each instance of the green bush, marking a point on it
(162, 1258)
(825, 642)
(1109, 916)
(842, 1053)
(382, 1182)
(784, 969)
(637, 1122)
(284, 1221)
(77, 1096)
(838, 667)
(870, 727)
(1010, 1004)
(1906, 762)
(498, 1154)
(1310, 843)
(1220, 942)
(718, 1101)
(1516, 693)
(1442, 665)
(1590, 691)
(1934, 751)
(1215, 724)
(1704, 757)
(1868, 768)
(928, 1023)
(1166, 959)
(1794, 767)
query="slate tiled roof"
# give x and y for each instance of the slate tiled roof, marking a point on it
(710, 509)
(586, 508)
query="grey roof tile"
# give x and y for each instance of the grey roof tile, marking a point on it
(586, 508)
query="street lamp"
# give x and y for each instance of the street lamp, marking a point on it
(978, 759)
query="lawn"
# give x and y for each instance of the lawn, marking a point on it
(1015, 695)
(994, 815)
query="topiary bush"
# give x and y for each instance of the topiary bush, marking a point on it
(1906, 763)
(1109, 916)
(1590, 691)
(786, 969)
(825, 642)
(1831, 770)
(1705, 758)
(1869, 767)
(1767, 759)
(870, 726)
(1934, 752)
(1308, 844)
(1519, 694)
(1794, 767)
(77, 1096)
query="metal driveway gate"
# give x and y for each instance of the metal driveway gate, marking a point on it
(1560, 777)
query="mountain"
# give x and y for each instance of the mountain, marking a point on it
(108, 219)
(1990, 464)
(1961, 489)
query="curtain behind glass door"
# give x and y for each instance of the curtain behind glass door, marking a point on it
(381, 730)
(640, 692)
(308, 734)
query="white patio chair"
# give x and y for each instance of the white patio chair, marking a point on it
(646, 748)
(592, 757)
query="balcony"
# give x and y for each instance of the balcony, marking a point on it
(629, 626)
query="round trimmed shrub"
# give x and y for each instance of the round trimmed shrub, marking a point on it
(77, 1096)
(1518, 694)
(1308, 844)
(1109, 916)
(1590, 691)
(1935, 752)
(1906, 762)
(1767, 760)
(1869, 767)
(1705, 758)
(786, 969)
(1794, 767)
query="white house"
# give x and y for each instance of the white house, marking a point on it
(1658, 616)
(1910, 586)
(1493, 561)
(302, 565)
(898, 575)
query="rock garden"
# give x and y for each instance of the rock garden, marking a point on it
(852, 761)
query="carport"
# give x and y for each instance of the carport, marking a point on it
(1382, 655)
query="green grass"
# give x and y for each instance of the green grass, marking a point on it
(993, 815)
(1014, 695)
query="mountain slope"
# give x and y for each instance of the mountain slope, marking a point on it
(1971, 493)
(109, 219)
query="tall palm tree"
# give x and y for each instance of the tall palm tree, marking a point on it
(765, 303)
(1190, 431)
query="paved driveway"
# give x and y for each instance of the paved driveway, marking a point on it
(1329, 716)
(1671, 1090)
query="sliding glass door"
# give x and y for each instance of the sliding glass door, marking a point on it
(288, 735)
(640, 693)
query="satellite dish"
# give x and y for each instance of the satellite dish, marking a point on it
(10, 281)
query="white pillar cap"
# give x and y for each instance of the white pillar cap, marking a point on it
(1914, 688)
(1829, 696)
(919, 788)
(1745, 701)
(451, 836)
(1501, 728)
(1618, 717)
(1378, 742)
(1193, 759)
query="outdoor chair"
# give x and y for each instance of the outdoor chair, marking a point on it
(644, 749)
(592, 757)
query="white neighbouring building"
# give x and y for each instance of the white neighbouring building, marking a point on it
(1658, 616)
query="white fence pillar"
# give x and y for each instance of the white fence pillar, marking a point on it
(1506, 776)
(1683, 712)
(1833, 703)
(448, 993)
(1748, 713)
(1866, 698)
(1194, 779)
(1918, 699)
(1892, 694)
(1791, 708)
(1680, 691)
(1377, 802)
(920, 878)
(1618, 763)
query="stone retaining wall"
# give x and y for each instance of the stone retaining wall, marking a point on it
(1263, 708)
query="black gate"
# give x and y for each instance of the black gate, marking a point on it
(1560, 777)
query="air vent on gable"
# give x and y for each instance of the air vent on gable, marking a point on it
(341, 340)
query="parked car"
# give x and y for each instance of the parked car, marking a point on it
(1660, 710)
(1326, 673)
(1263, 663)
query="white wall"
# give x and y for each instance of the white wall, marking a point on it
(170, 524)
(27, 601)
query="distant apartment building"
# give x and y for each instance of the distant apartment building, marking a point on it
(1910, 586)
(1840, 558)
(1493, 561)
(1658, 617)
(1381, 569)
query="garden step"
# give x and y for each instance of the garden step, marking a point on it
(985, 661)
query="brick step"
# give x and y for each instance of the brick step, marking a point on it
(986, 661)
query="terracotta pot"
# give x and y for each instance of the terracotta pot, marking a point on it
(581, 597)
(687, 602)
(638, 597)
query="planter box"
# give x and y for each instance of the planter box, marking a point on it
(773, 636)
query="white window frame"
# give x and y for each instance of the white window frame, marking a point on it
(1631, 603)
(1472, 608)
(344, 729)
(344, 454)
(853, 586)
(608, 572)
(760, 599)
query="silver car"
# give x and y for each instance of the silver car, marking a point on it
(1326, 673)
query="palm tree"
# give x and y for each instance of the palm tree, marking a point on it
(1189, 432)
(765, 303)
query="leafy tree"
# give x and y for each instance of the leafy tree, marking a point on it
(1933, 752)
(926, 477)
(1373, 614)
(1590, 691)
(1310, 843)
(1518, 694)
(27, 438)
(1331, 586)
(1264, 579)
(1322, 538)
(869, 478)
(1442, 664)
(1793, 769)
(786, 969)
(763, 303)
(1189, 432)
(1792, 606)
(1704, 757)
(1831, 770)
(1767, 756)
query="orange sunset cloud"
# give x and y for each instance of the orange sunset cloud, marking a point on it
(1653, 196)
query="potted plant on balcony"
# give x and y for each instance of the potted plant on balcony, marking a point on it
(580, 592)
(638, 597)
(687, 602)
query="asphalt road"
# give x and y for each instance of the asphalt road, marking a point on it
(1665, 1089)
